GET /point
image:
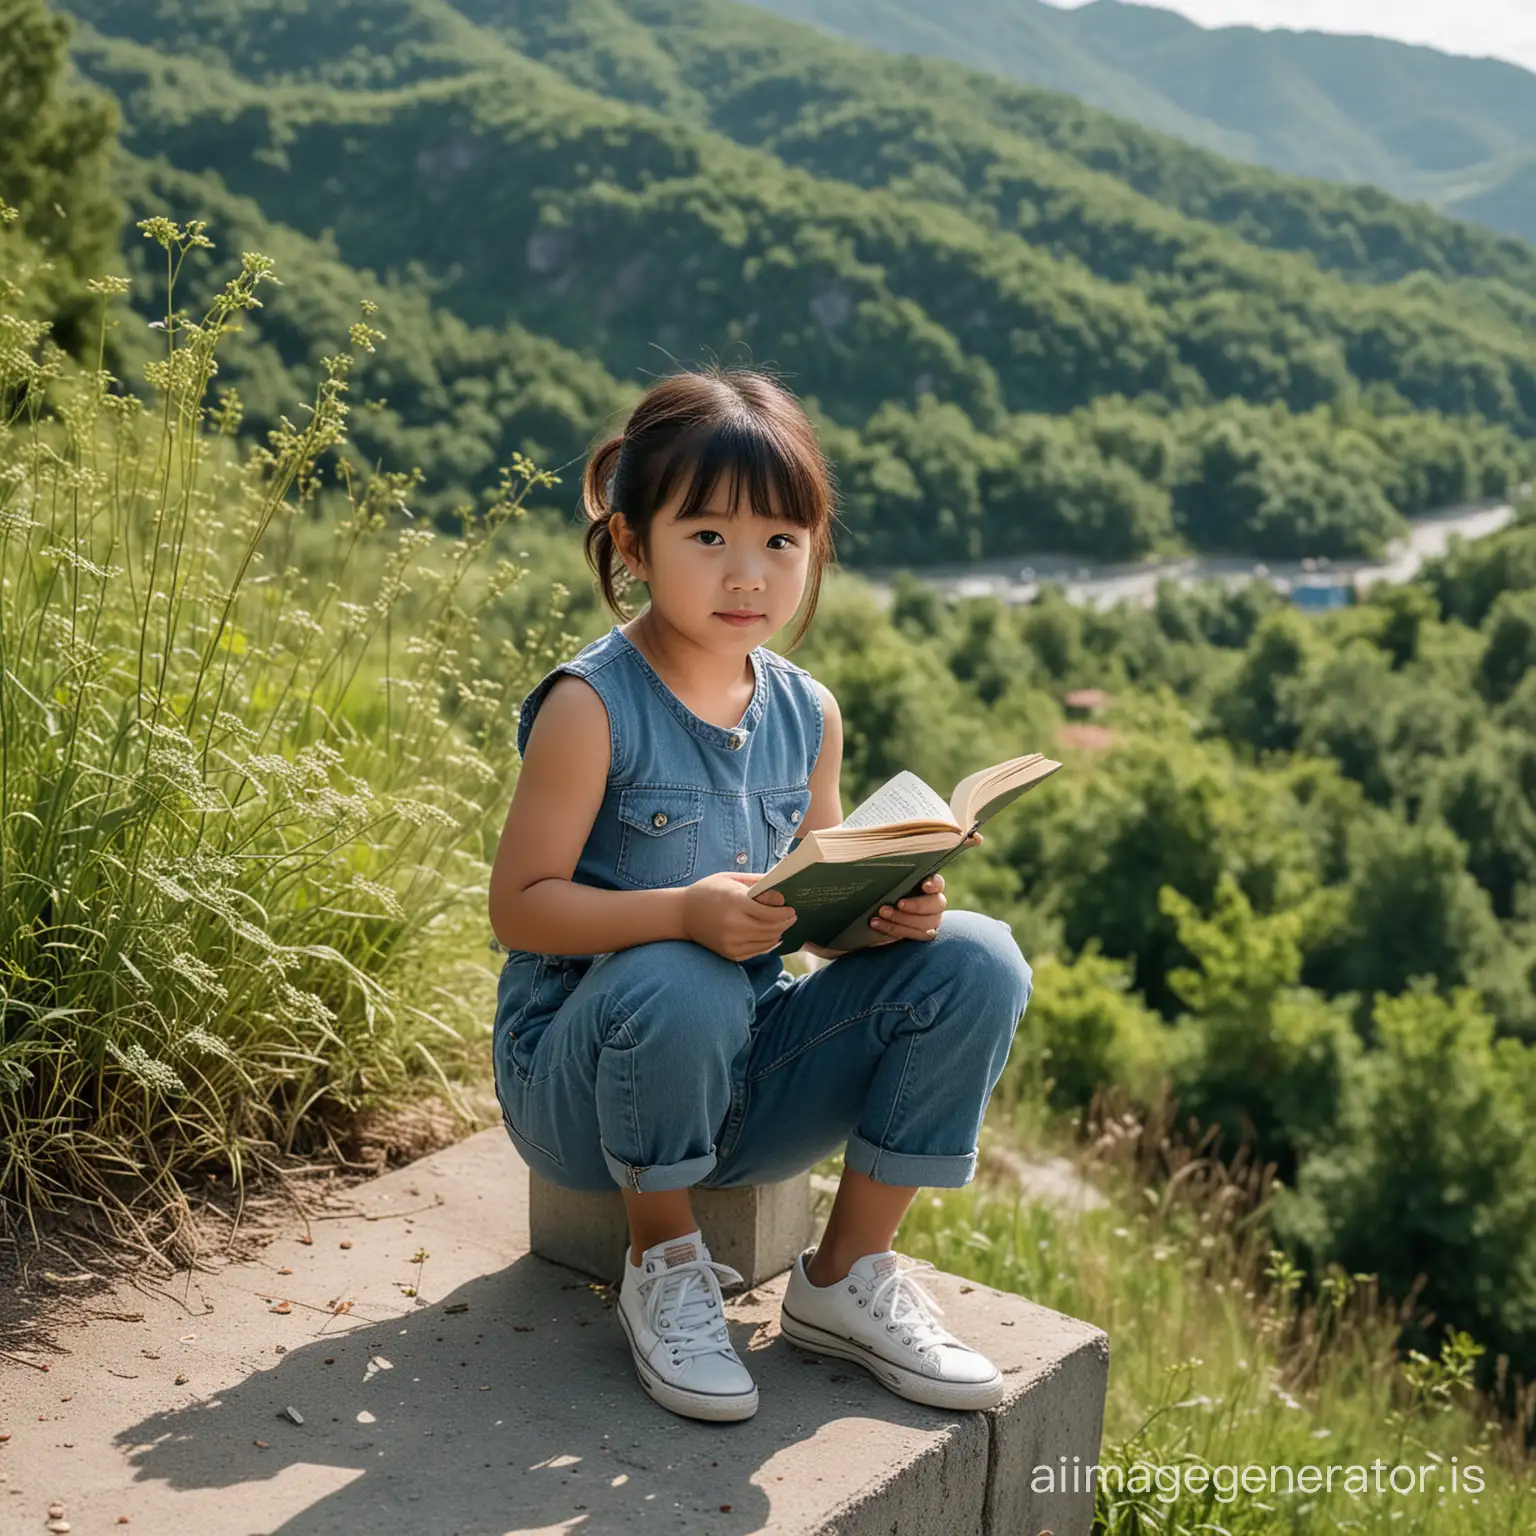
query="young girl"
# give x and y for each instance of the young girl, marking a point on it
(647, 1034)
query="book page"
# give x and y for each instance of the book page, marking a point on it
(981, 795)
(904, 798)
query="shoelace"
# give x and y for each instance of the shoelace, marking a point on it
(683, 1319)
(911, 1308)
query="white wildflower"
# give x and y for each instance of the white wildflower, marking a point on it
(199, 1039)
(146, 1069)
(202, 975)
(380, 893)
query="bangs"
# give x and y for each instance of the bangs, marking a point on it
(743, 455)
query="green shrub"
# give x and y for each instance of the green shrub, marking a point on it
(56, 143)
(1257, 1055)
(1086, 1029)
(1432, 1172)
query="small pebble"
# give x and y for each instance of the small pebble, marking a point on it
(4, 1436)
(346, 1242)
(308, 1241)
(330, 1359)
(282, 1306)
(55, 1511)
(293, 1415)
(58, 1527)
(287, 1269)
(181, 1378)
(123, 1520)
(260, 1445)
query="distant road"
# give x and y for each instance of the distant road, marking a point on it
(1017, 579)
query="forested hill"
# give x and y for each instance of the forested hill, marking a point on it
(1023, 323)
(1456, 132)
(736, 69)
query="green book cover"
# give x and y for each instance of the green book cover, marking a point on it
(834, 902)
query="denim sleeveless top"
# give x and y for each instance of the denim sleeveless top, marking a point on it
(684, 798)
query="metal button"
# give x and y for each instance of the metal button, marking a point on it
(794, 815)
(736, 740)
(741, 858)
(659, 819)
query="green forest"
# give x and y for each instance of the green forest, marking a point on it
(258, 717)
(1024, 325)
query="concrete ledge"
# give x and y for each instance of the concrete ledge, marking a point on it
(759, 1230)
(503, 1399)
(890, 1466)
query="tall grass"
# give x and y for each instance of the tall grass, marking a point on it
(254, 751)
(1220, 1357)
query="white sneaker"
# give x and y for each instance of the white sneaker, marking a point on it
(881, 1318)
(671, 1313)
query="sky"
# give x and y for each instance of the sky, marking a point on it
(1502, 29)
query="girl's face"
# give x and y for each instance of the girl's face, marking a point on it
(727, 581)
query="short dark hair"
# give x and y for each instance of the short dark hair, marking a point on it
(733, 423)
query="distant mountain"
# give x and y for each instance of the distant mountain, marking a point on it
(1457, 133)
(1023, 324)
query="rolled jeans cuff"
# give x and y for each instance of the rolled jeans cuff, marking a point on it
(646, 1181)
(909, 1169)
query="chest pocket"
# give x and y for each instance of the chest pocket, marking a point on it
(659, 834)
(784, 811)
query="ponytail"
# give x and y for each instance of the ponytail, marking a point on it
(597, 487)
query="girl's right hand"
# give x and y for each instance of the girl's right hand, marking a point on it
(718, 913)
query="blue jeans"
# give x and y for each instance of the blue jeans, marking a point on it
(663, 1066)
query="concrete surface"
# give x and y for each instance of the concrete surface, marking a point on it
(759, 1230)
(503, 1400)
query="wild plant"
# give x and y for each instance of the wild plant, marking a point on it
(254, 751)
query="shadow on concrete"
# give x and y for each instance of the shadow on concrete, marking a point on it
(519, 1413)
(54, 1282)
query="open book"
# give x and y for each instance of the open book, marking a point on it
(838, 877)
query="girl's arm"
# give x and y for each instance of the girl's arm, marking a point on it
(826, 808)
(534, 903)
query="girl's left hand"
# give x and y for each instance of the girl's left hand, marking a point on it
(915, 917)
